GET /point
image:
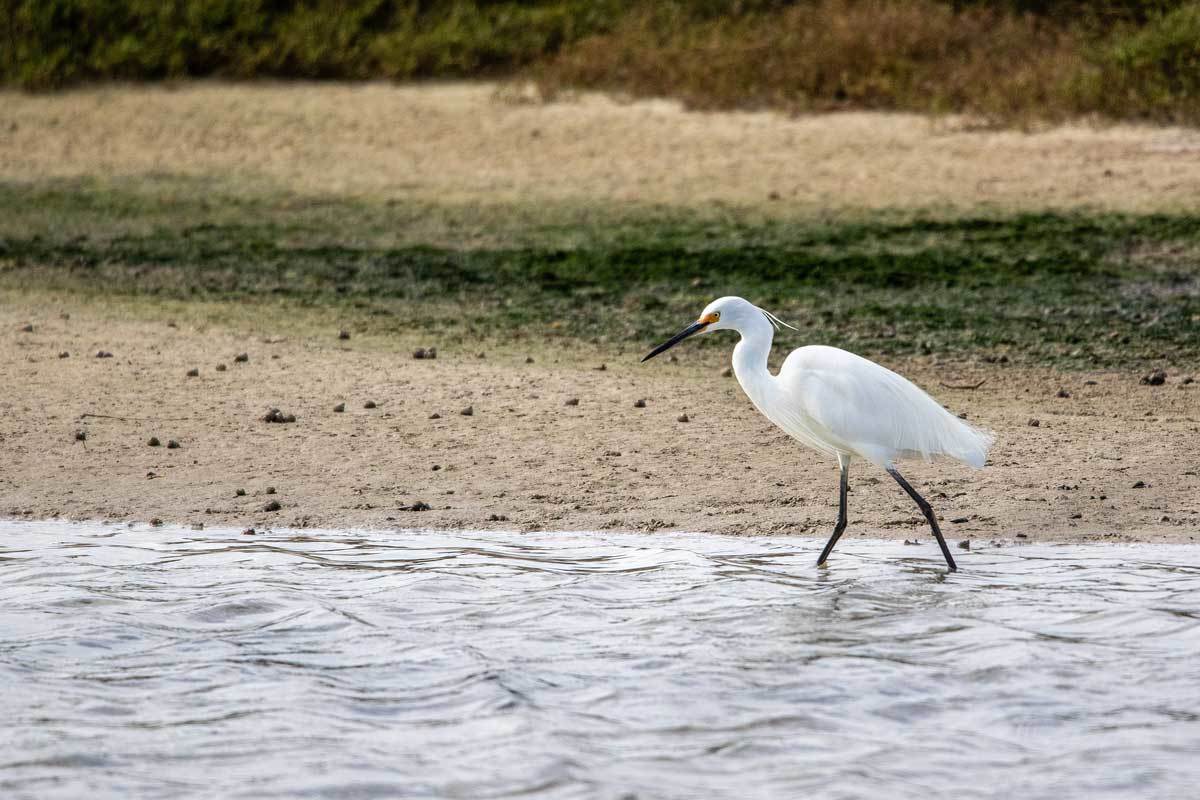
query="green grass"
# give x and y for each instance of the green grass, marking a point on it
(1008, 61)
(1081, 289)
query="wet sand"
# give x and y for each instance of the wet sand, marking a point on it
(1115, 461)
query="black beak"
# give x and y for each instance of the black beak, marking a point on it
(690, 330)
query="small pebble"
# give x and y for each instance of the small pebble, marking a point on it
(1034, 423)
(156, 522)
(339, 408)
(248, 532)
(1140, 485)
(221, 367)
(369, 404)
(417, 506)
(1188, 380)
(1063, 393)
(602, 368)
(172, 444)
(436, 467)
(572, 401)
(639, 403)
(960, 520)
(1077, 516)
(240, 493)
(273, 505)
(275, 415)
(103, 354)
(727, 372)
(684, 418)
(193, 373)
(1156, 378)
(469, 411)
(153, 442)
(481, 355)
(241, 358)
(912, 542)
(1022, 536)
(64, 354)
(528, 359)
(435, 415)
(81, 436)
(27, 329)
(343, 334)
(965, 544)
(497, 518)
(270, 490)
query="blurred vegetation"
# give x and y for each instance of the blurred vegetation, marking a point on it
(1074, 289)
(1007, 60)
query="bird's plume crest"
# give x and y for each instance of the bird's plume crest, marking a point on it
(776, 321)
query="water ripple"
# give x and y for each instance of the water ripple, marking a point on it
(170, 663)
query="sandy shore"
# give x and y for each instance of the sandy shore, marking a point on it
(478, 143)
(1116, 460)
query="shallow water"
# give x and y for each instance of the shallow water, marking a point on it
(168, 663)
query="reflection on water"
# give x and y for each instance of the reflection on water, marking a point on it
(168, 663)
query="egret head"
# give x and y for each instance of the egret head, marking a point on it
(724, 313)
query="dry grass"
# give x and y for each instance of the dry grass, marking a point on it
(460, 144)
(916, 55)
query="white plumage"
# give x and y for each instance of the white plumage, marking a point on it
(840, 404)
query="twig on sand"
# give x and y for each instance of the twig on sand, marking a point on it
(968, 386)
(137, 419)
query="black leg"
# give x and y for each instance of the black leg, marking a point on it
(928, 512)
(841, 520)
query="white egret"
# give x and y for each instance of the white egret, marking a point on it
(840, 404)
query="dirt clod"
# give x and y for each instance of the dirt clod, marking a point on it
(528, 359)
(1034, 422)
(469, 411)
(221, 367)
(1156, 378)
(172, 444)
(571, 401)
(601, 368)
(241, 358)
(639, 403)
(727, 372)
(240, 493)
(27, 329)
(339, 408)
(1063, 393)
(81, 436)
(1139, 485)
(103, 354)
(370, 404)
(965, 544)
(272, 505)
(497, 518)
(64, 354)
(425, 352)
(156, 522)
(960, 520)
(269, 490)
(153, 442)
(435, 415)
(249, 532)
(275, 415)
(684, 418)
(343, 334)
(193, 373)
(417, 506)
